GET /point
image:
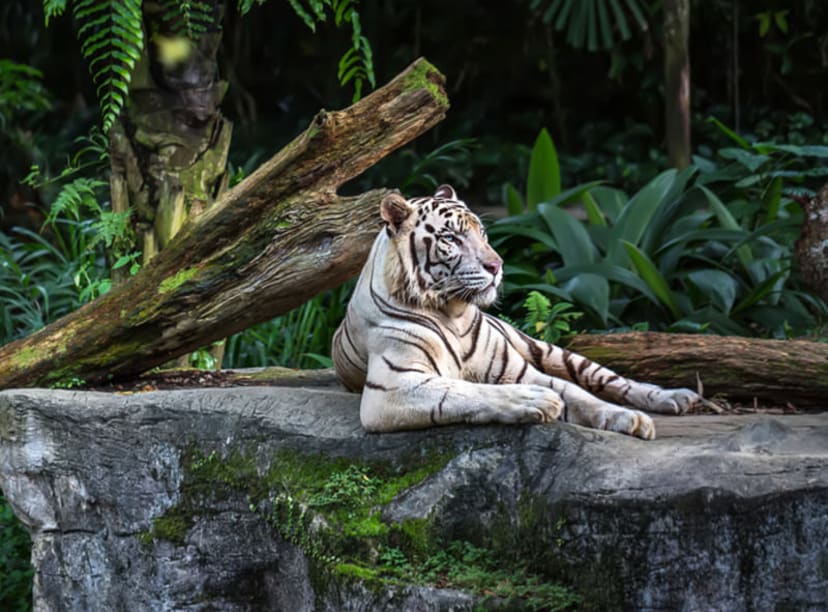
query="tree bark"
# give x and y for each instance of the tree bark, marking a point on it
(273, 242)
(777, 371)
(812, 245)
(168, 151)
(677, 81)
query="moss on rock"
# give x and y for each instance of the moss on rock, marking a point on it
(331, 509)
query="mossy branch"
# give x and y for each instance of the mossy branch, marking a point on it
(273, 242)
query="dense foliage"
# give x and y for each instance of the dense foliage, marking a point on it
(674, 255)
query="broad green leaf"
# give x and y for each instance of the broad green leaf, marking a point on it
(592, 291)
(719, 286)
(616, 274)
(635, 216)
(544, 181)
(514, 201)
(772, 199)
(730, 133)
(648, 271)
(727, 222)
(593, 212)
(611, 201)
(751, 161)
(573, 194)
(759, 292)
(704, 235)
(798, 150)
(511, 271)
(669, 210)
(509, 287)
(500, 234)
(762, 269)
(574, 243)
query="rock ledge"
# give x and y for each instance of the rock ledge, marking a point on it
(719, 513)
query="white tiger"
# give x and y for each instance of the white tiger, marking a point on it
(416, 343)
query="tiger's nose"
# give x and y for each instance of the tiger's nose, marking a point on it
(493, 266)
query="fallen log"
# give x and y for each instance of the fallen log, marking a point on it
(742, 369)
(273, 242)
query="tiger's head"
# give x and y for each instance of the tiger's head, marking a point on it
(440, 254)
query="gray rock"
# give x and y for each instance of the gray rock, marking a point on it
(719, 513)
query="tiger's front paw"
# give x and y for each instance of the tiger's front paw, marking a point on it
(545, 405)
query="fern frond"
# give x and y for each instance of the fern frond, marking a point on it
(74, 197)
(188, 18)
(111, 226)
(537, 307)
(244, 6)
(112, 39)
(357, 64)
(53, 8)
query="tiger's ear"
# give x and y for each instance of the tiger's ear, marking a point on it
(445, 191)
(395, 211)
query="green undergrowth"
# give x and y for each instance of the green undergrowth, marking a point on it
(332, 510)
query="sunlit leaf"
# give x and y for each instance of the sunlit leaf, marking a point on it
(649, 272)
(544, 180)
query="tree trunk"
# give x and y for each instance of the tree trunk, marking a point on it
(273, 242)
(168, 152)
(812, 245)
(677, 81)
(777, 371)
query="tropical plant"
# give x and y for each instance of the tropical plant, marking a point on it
(673, 255)
(587, 21)
(44, 276)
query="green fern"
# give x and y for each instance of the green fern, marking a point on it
(537, 310)
(316, 13)
(74, 197)
(245, 6)
(190, 19)
(112, 39)
(357, 64)
(547, 321)
(78, 200)
(53, 8)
